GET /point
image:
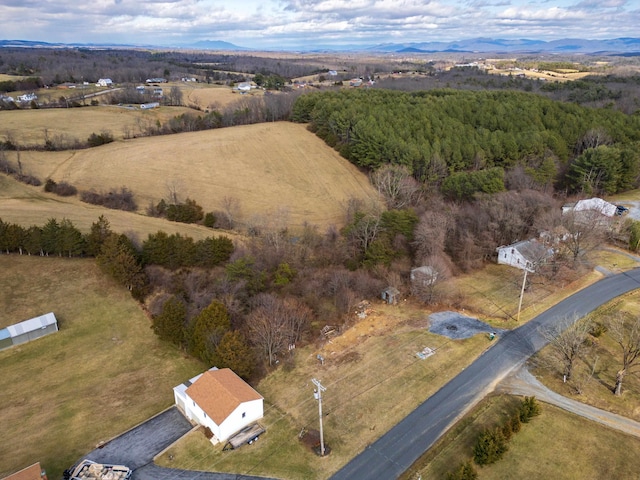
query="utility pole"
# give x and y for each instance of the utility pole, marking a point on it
(524, 282)
(317, 393)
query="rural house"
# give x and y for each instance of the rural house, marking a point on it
(595, 204)
(219, 400)
(32, 472)
(525, 255)
(28, 330)
(104, 82)
(390, 295)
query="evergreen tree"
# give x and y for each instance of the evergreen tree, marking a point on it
(170, 323)
(207, 330)
(233, 352)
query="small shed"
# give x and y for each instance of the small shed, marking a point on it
(32, 472)
(28, 330)
(390, 295)
(424, 276)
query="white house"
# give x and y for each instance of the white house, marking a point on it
(595, 204)
(525, 255)
(104, 82)
(244, 86)
(220, 400)
(27, 97)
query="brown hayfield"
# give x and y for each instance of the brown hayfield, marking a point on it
(29, 126)
(209, 97)
(269, 168)
(26, 206)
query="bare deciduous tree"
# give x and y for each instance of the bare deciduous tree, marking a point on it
(230, 210)
(625, 330)
(397, 185)
(275, 323)
(568, 339)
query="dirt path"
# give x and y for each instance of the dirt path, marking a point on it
(522, 382)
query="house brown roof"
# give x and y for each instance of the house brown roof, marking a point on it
(219, 392)
(32, 472)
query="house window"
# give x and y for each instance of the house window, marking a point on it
(244, 414)
(205, 415)
(194, 404)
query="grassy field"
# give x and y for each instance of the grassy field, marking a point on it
(363, 371)
(557, 445)
(101, 374)
(27, 127)
(267, 167)
(28, 206)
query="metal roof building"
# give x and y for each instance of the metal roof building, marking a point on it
(28, 330)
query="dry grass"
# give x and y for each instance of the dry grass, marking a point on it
(27, 127)
(363, 371)
(557, 444)
(493, 293)
(101, 374)
(28, 206)
(607, 358)
(267, 167)
(209, 97)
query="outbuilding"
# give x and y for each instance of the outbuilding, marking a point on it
(28, 330)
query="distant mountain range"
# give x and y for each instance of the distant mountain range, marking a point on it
(625, 46)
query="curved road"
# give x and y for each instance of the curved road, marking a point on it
(392, 454)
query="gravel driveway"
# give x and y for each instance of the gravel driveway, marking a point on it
(522, 382)
(457, 326)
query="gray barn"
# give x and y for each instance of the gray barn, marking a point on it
(28, 330)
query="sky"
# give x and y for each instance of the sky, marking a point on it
(303, 24)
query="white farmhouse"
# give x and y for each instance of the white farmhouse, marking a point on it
(220, 400)
(104, 82)
(525, 255)
(595, 204)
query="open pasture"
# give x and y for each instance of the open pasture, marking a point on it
(29, 127)
(26, 206)
(268, 168)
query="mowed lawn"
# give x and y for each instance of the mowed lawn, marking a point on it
(373, 379)
(271, 169)
(101, 374)
(554, 445)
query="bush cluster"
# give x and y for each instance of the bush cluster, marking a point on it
(114, 199)
(97, 139)
(62, 189)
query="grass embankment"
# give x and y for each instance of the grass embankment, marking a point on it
(556, 444)
(102, 373)
(373, 379)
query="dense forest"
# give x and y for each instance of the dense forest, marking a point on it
(445, 137)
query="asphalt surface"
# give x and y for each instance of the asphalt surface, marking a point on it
(393, 454)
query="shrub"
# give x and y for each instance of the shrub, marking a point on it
(465, 471)
(490, 447)
(114, 199)
(62, 189)
(95, 140)
(529, 408)
(29, 180)
(209, 220)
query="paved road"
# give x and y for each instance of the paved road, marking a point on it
(398, 449)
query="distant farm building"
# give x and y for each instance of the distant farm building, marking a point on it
(219, 400)
(156, 80)
(525, 255)
(244, 86)
(104, 82)
(27, 97)
(28, 330)
(355, 82)
(147, 106)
